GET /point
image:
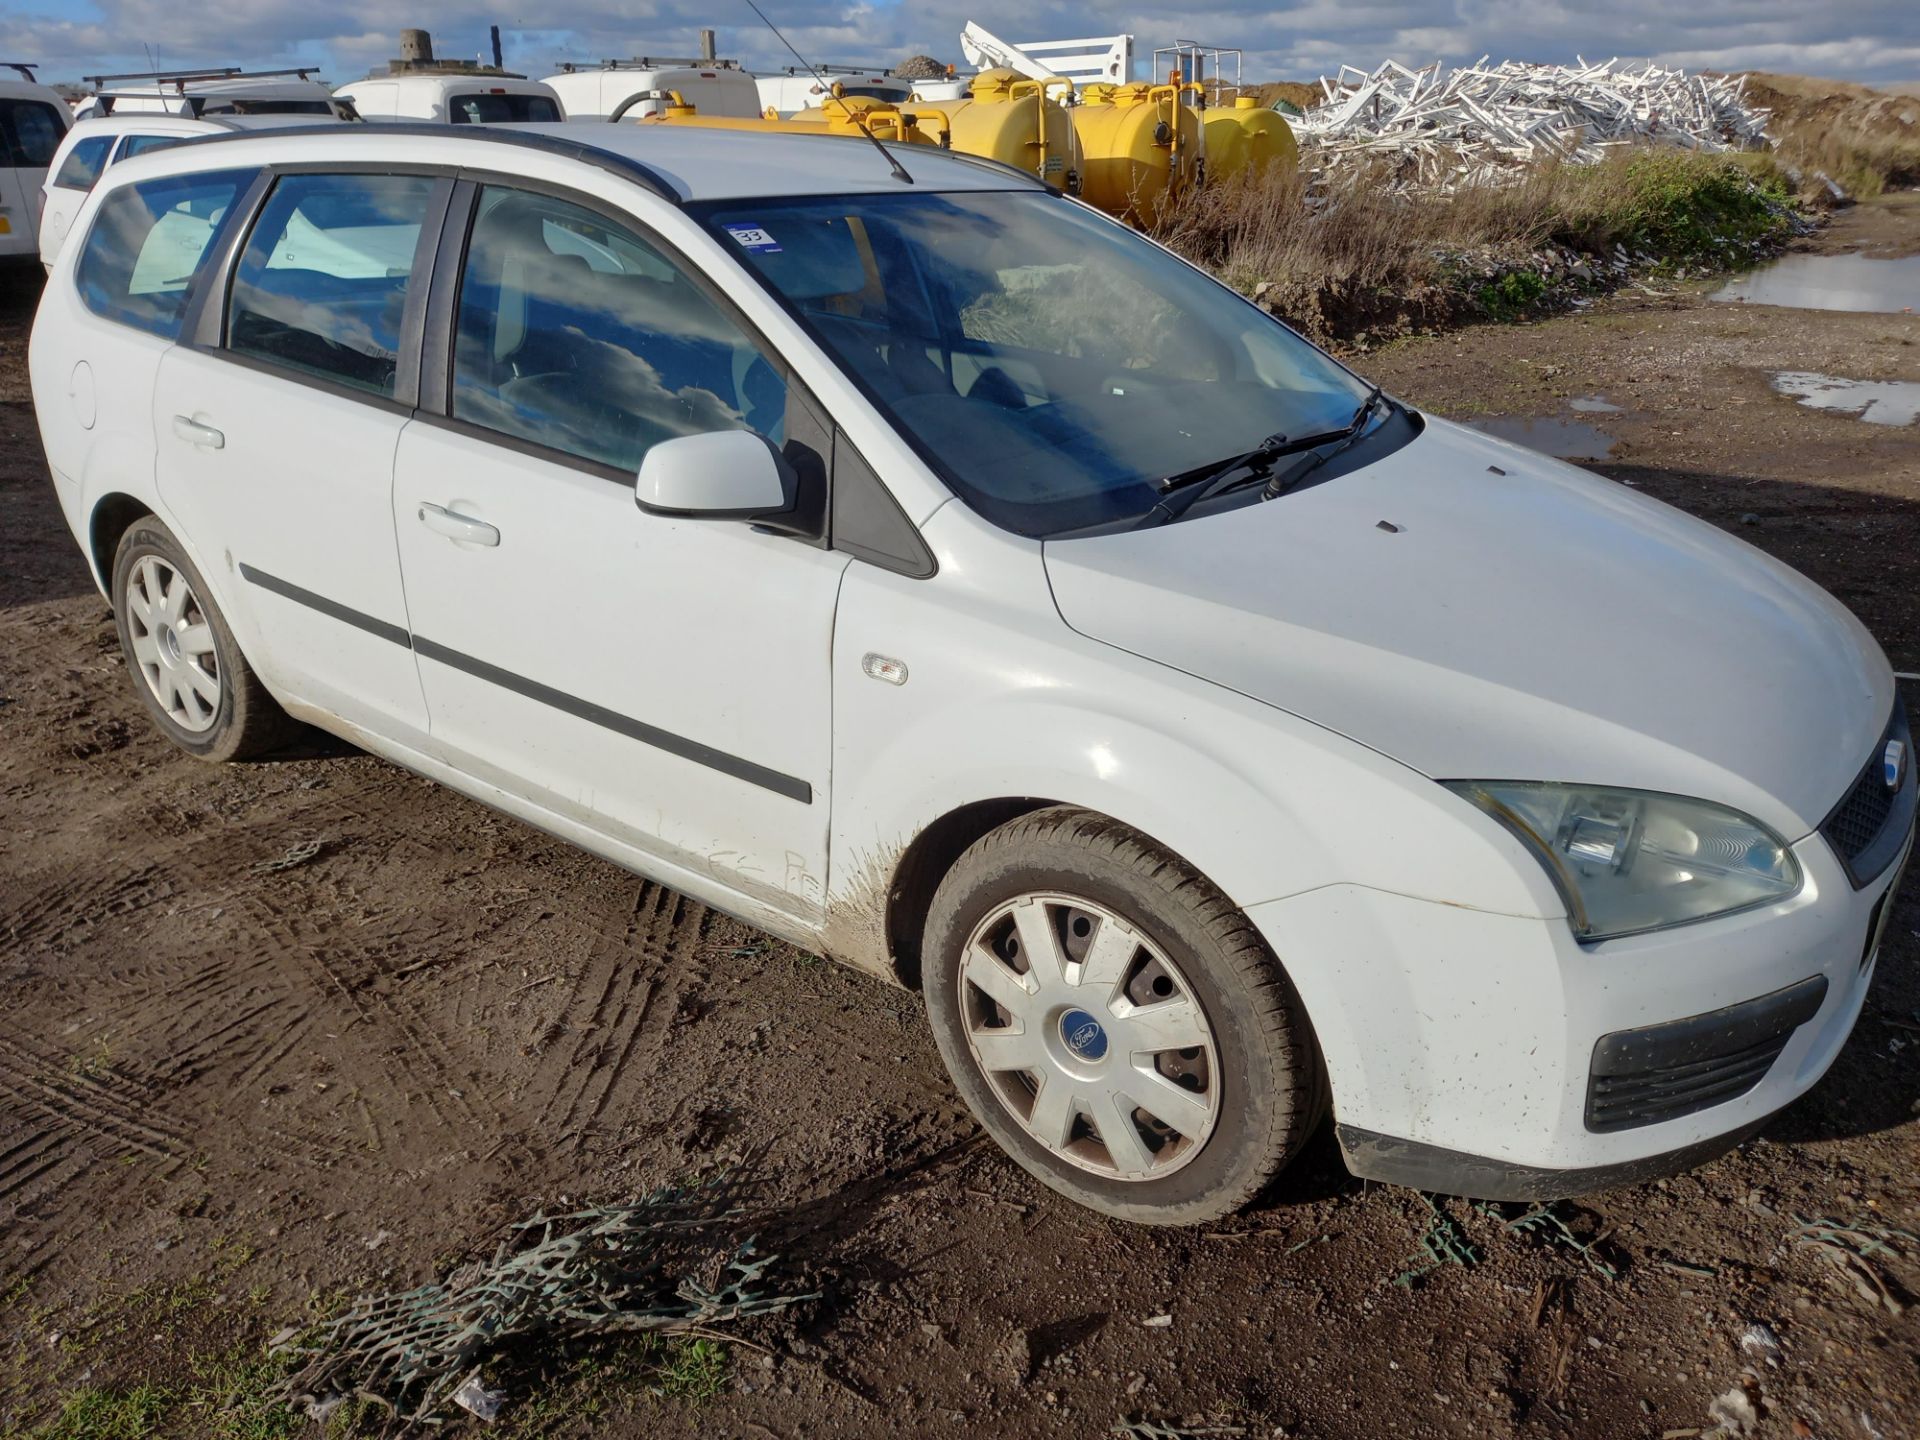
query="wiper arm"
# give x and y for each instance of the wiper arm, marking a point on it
(1184, 491)
(1187, 479)
(1290, 478)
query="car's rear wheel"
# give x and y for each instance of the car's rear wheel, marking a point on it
(186, 667)
(1115, 1023)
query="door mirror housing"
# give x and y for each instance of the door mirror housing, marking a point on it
(721, 475)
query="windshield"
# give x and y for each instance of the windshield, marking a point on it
(501, 109)
(1052, 365)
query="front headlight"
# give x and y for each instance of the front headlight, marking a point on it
(1628, 861)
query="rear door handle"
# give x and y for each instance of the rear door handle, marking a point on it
(456, 526)
(194, 433)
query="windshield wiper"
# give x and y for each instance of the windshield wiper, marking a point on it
(1290, 478)
(1184, 491)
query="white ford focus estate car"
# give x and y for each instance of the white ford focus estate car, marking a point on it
(949, 580)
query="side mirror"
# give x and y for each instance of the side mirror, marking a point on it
(722, 475)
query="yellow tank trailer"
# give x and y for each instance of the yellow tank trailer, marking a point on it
(880, 120)
(1142, 149)
(1248, 137)
(1019, 122)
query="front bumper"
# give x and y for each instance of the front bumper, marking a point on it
(1461, 1045)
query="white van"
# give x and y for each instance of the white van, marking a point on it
(793, 89)
(94, 144)
(1212, 739)
(225, 91)
(635, 89)
(457, 97)
(33, 120)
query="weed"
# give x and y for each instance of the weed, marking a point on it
(691, 1370)
(1513, 295)
(95, 1413)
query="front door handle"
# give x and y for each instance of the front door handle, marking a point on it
(456, 526)
(194, 433)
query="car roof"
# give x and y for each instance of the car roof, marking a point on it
(679, 162)
(13, 89)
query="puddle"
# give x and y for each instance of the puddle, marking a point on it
(1878, 402)
(1831, 282)
(1562, 439)
(1594, 405)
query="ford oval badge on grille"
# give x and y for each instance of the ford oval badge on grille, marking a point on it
(1893, 763)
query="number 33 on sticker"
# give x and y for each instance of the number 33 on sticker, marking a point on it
(752, 237)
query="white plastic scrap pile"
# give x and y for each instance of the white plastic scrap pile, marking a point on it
(1481, 124)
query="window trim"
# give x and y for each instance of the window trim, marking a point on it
(207, 318)
(436, 387)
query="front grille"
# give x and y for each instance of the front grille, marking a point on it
(1870, 824)
(1661, 1072)
(1857, 823)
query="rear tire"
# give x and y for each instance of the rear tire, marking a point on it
(185, 665)
(1115, 1023)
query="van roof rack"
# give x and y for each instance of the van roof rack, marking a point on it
(882, 70)
(647, 62)
(220, 72)
(24, 67)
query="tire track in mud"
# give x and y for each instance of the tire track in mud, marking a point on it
(70, 912)
(67, 1120)
(632, 976)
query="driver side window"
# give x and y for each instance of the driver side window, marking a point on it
(575, 335)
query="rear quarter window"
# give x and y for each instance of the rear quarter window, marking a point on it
(82, 167)
(147, 244)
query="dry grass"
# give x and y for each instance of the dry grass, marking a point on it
(1362, 260)
(1867, 141)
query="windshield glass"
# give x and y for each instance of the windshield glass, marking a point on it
(1052, 365)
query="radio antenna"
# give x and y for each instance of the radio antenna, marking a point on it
(899, 170)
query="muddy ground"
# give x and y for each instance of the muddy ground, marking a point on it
(231, 1093)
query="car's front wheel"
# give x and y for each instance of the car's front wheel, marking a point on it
(1115, 1023)
(187, 669)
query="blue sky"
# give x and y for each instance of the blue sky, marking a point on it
(1876, 41)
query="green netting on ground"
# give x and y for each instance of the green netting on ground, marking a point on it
(662, 1263)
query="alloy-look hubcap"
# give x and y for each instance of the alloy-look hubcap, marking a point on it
(173, 644)
(1090, 1036)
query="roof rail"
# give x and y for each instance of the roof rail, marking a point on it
(624, 166)
(24, 67)
(220, 72)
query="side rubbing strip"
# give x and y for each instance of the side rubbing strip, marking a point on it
(325, 606)
(774, 780)
(787, 785)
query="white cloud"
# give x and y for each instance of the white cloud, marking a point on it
(1871, 40)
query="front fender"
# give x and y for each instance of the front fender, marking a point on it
(1003, 700)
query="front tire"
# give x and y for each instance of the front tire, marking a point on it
(186, 667)
(1115, 1023)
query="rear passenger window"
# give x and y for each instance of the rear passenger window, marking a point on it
(145, 144)
(576, 335)
(84, 163)
(147, 243)
(322, 285)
